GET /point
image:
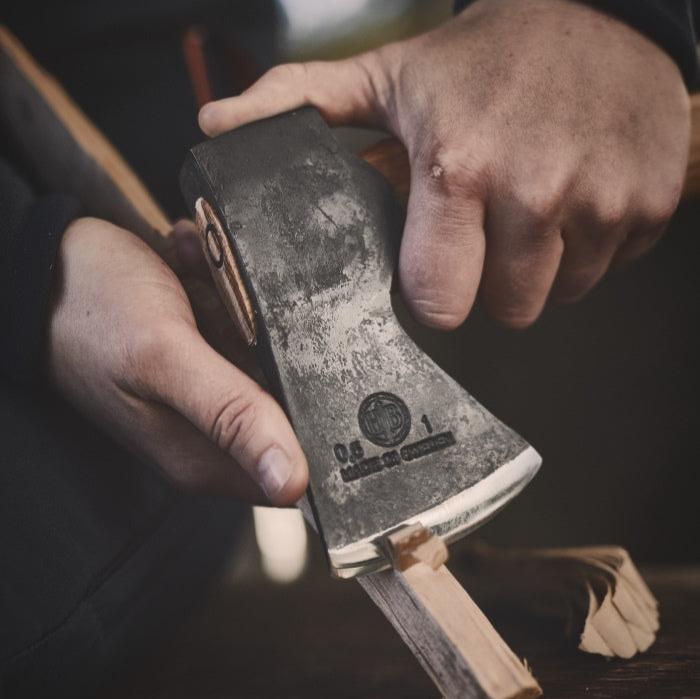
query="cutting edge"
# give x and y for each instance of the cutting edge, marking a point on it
(451, 519)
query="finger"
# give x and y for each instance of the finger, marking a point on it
(522, 258)
(585, 261)
(186, 456)
(648, 227)
(232, 411)
(343, 91)
(442, 251)
(591, 238)
(639, 243)
(189, 249)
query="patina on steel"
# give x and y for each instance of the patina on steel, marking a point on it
(391, 439)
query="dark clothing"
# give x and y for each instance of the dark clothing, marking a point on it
(33, 227)
(99, 556)
(96, 550)
(123, 64)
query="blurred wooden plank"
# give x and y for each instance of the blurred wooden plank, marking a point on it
(319, 638)
(66, 151)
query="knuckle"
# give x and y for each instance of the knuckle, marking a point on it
(657, 210)
(234, 421)
(453, 170)
(540, 204)
(610, 211)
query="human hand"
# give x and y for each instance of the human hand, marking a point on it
(124, 348)
(546, 140)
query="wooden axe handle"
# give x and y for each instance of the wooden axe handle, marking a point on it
(390, 158)
(691, 189)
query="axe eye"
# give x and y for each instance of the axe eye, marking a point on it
(213, 245)
(224, 269)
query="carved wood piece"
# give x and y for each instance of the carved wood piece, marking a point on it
(415, 544)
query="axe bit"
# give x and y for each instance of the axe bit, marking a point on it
(302, 239)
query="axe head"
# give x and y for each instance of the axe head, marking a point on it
(302, 238)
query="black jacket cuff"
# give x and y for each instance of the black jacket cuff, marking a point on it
(30, 253)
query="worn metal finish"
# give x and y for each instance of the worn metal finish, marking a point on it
(390, 438)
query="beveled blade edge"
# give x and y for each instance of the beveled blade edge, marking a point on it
(451, 519)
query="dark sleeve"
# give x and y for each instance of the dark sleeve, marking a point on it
(669, 23)
(30, 233)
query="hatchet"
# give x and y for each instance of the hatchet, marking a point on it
(434, 616)
(302, 239)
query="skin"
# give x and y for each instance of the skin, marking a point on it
(547, 141)
(124, 347)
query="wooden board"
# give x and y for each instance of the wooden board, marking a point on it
(319, 638)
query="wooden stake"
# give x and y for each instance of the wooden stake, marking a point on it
(446, 631)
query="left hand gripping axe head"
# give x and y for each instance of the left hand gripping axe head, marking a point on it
(302, 238)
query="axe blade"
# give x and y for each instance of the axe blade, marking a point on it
(390, 438)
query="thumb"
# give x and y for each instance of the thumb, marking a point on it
(234, 412)
(442, 250)
(343, 91)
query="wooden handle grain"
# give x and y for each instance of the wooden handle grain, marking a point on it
(691, 189)
(391, 159)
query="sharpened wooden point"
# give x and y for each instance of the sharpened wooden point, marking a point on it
(446, 631)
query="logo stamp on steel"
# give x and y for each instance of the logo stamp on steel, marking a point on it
(384, 419)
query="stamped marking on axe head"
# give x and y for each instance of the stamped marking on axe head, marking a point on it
(311, 236)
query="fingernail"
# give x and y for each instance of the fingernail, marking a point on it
(274, 470)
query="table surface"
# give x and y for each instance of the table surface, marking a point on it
(324, 638)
